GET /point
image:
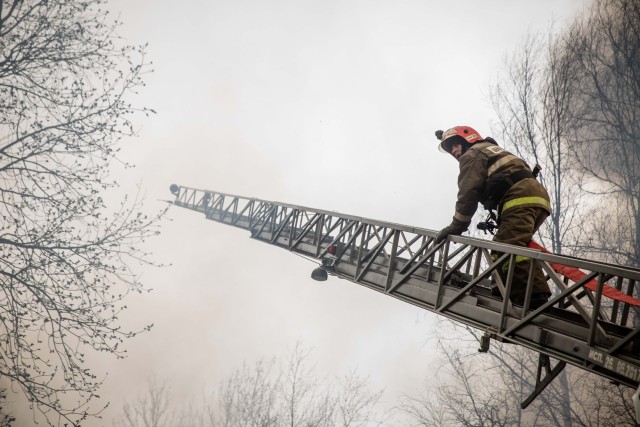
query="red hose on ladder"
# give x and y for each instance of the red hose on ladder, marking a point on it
(576, 274)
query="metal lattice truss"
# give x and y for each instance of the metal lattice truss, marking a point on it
(457, 279)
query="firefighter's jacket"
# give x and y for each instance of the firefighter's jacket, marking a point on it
(482, 168)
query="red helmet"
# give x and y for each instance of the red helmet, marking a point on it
(461, 134)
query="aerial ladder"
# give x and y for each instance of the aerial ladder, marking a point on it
(592, 321)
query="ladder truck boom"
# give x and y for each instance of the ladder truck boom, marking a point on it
(581, 325)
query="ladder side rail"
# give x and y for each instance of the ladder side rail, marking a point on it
(186, 193)
(571, 261)
(532, 254)
(270, 211)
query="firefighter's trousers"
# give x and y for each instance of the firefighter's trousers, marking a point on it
(517, 227)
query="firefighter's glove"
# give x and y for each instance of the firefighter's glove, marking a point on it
(456, 228)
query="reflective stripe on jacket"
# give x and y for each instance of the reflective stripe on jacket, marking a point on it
(481, 167)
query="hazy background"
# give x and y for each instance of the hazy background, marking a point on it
(328, 104)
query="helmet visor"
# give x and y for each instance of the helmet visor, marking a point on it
(447, 145)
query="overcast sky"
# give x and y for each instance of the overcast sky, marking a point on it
(329, 104)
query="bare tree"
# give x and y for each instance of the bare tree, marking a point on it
(305, 400)
(466, 391)
(486, 389)
(297, 396)
(156, 408)
(604, 45)
(533, 102)
(6, 419)
(249, 397)
(67, 257)
(150, 409)
(598, 402)
(356, 405)
(570, 103)
(269, 393)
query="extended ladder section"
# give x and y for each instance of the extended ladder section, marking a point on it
(580, 325)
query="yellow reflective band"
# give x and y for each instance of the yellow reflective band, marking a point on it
(519, 258)
(534, 200)
(462, 218)
(501, 162)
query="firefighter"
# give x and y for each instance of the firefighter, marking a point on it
(500, 181)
